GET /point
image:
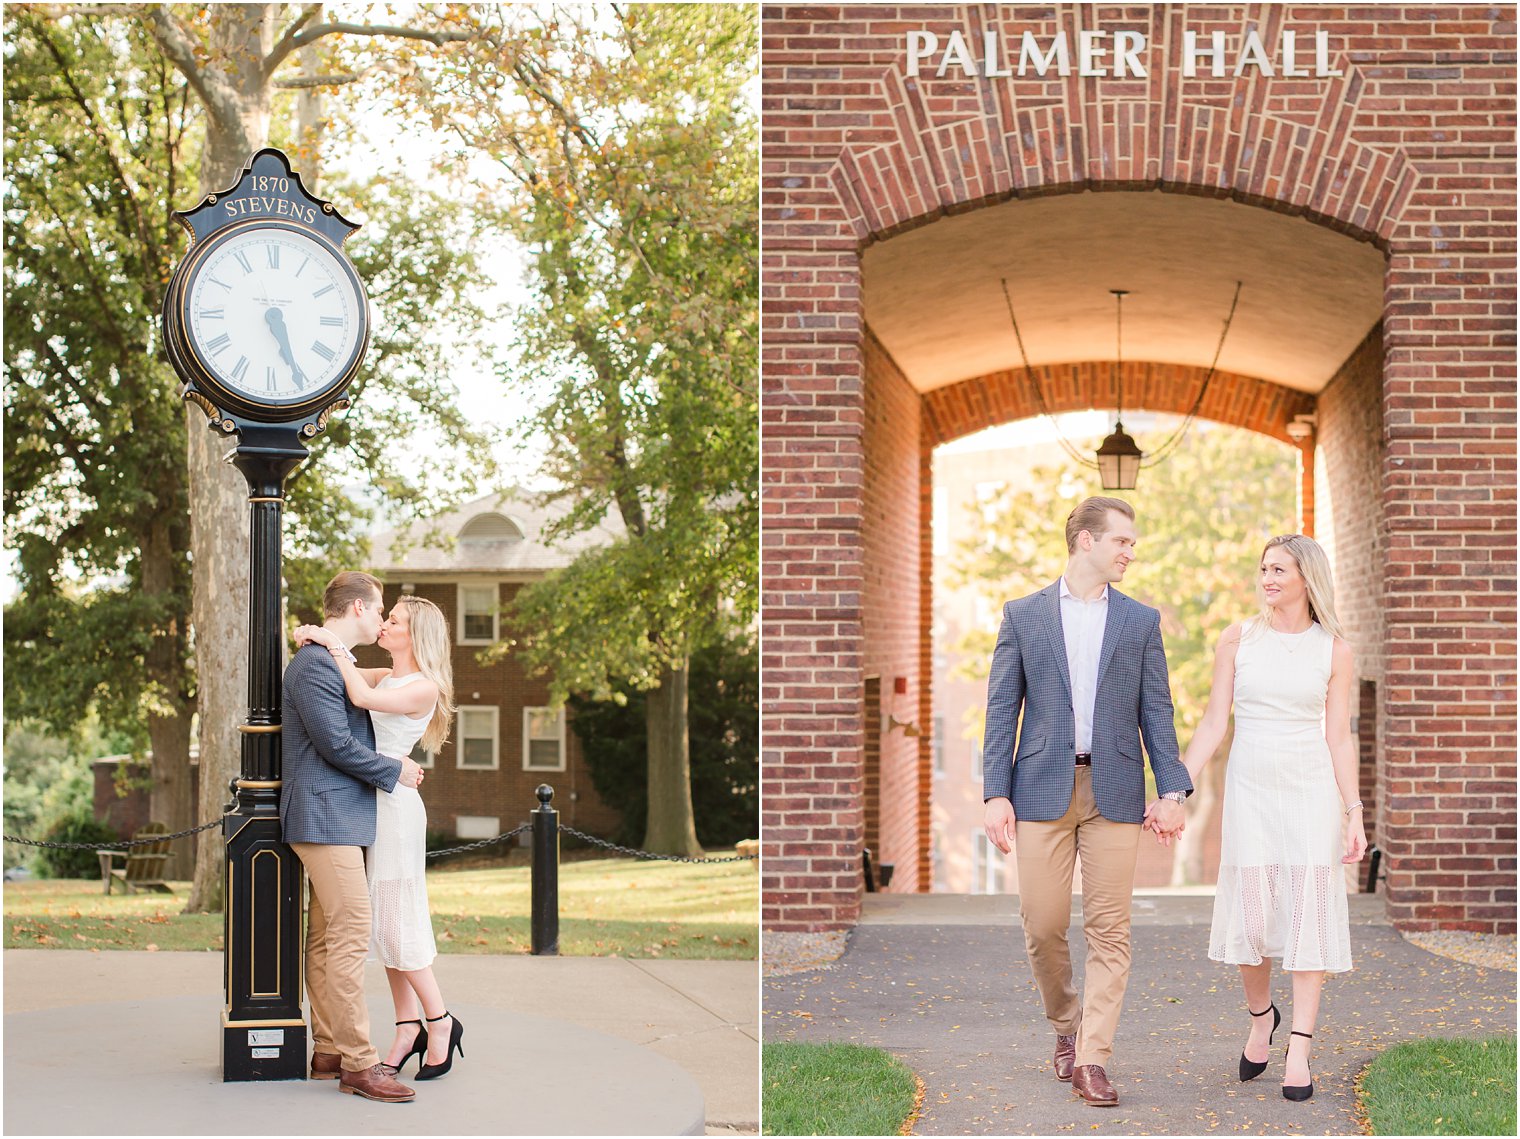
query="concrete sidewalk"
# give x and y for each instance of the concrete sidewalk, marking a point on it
(943, 983)
(604, 1043)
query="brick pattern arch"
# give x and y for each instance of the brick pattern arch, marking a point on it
(1412, 149)
(1003, 397)
(956, 144)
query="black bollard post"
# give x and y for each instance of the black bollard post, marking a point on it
(545, 875)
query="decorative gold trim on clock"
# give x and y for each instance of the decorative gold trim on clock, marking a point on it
(255, 729)
(213, 412)
(260, 783)
(264, 498)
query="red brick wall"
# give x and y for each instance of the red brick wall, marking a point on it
(506, 792)
(1348, 459)
(1349, 447)
(1003, 397)
(890, 532)
(1412, 149)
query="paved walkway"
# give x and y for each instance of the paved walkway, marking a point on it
(943, 982)
(554, 1045)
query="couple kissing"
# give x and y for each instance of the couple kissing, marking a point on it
(350, 808)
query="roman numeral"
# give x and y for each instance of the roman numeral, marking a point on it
(323, 350)
(240, 369)
(242, 259)
(269, 378)
(323, 289)
(274, 256)
(303, 266)
(219, 343)
(332, 321)
(211, 313)
(224, 284)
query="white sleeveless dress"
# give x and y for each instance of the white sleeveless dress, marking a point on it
(396, 865)
(1282, 887)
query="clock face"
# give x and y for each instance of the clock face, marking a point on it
(274, 315)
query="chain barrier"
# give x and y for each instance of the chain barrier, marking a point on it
(517, 830)
(604, 844)
(122, 844)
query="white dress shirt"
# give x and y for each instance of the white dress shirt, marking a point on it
(1082, 623)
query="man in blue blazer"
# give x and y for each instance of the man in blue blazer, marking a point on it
(1085, 667)
(327, 814)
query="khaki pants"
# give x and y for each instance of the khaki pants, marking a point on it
(1047, 856)
(337, 942)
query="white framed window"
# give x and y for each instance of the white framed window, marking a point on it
(478, 619)
(422, 757)
(479, 738)
(543, 739)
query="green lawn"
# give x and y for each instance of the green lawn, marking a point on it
(834, 1089)
(1442, 1087)
(608, 907)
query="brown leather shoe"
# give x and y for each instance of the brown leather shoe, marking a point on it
(1090, 1082)
(326, 1065)
(1066, 1055)
(373, 1083)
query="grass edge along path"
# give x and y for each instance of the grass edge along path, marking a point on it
(608, 907)
(1440, 1086)
(836, 1089)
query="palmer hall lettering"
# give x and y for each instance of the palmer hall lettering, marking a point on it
(1120, 54)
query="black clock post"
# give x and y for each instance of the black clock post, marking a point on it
(266, 323)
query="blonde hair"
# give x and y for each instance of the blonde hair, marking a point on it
(430, 649)
(1091, 514)
(1309, 556)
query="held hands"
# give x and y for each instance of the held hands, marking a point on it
(1355, 838)
(411, 773)
(998, 821)
(316, 635)
(1166, 818)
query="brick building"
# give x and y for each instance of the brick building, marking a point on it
(506, 739)
(930, 171)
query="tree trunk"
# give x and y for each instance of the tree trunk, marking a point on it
(1207, 800)
(169, 799)
(671, 826)
(237, 124)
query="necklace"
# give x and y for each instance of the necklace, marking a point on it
(1290, 649)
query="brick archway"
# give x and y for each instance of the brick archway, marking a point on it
(856, 153)
(1003, 397)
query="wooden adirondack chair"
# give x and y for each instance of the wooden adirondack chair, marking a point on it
(143, 867)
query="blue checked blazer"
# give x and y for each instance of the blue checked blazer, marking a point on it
(1134, 699)
(330, 768)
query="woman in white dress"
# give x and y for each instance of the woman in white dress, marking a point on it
(409, 702)
(1291, 812)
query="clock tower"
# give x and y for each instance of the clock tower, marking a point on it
(266, 322)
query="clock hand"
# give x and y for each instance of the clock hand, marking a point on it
(276, 321)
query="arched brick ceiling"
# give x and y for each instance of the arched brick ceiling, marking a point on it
(932, 295)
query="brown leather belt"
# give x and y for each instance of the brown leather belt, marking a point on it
(1084, 759)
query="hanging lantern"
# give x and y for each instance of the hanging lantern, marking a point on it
(1119, 457)
(1119, 460)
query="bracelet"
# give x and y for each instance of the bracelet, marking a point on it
(1357, 806)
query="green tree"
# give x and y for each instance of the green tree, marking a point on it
(632, 145)
(1203, 516)
(96, 129)
(725, 722)
(103, 139)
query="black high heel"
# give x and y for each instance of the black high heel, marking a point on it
(419, 1048)
(426, 1071)
(1250, 1069)
(1302, 1091)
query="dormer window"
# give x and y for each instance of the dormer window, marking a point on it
(490, 527)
